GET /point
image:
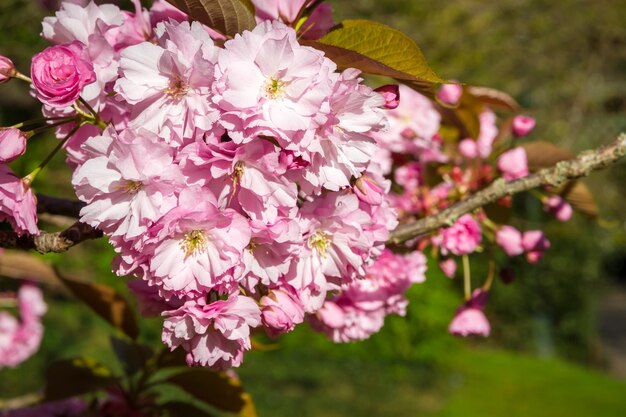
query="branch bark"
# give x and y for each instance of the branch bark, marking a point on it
(59, 206)
(564, 171)
(50, 242)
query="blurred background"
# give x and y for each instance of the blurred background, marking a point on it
(559, 330)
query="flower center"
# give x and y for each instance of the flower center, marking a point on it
(194, 242)
(253, 245)
(319, 241)
(177, 89)
(274, 89)
(238, 171)
(133, 187)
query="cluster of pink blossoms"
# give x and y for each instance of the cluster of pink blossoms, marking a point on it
(233, 181)
(20, 338)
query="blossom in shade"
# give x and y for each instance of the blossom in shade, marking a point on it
(287, 10)
(391, 94)
(12, 144)
(281, 311)
(513, 164)
(558, 207)
(510, 240)
(469, 319)
(213, 334)
(450, 93)
(19, 340)
(18, 204)
(462, 238)
(535, 244)
(60, 72)
(7, 69)
(522, 125)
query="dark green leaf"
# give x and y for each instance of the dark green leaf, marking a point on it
(72, 377)
(228, 17)
(106, 302)
(217, 389)
(180, 409)
(132, 355)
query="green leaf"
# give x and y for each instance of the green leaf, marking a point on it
(72, 377)
(106, 302)
(216, 389)
(228, 17)
(181, 409)
(378, 50)
(131, 354)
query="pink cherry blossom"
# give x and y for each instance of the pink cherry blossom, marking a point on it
(281, 311)
(391, 94)
(535, 244)
(487, 134)
(368, 191)
(18, 204)
(559, 207)
(468, 148)
(448, 267)
(450, 93)
(510, 239)
(469, 319)
(12, 144)
(214, 334)
(60, 72)
(7, 69)
(522, 125)
(513, 164)
(462, 238)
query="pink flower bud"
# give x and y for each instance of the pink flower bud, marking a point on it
(60, 72)
(368, 191)
(450, 93)
(535, 243)
(522, 125)
(12, 144)
(510, 239)
(468, 148)
(469, 319)
(391, 94)
(281, 311)
(560, 208)
(513, 164)
(448, 266)
(7, 69)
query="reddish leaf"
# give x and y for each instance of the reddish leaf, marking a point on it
(72, 377)
(494, 98)
(581, 198)
(228, 17)
(544, 154)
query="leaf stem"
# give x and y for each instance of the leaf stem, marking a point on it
(467, 278)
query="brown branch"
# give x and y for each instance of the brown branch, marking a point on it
(562, 172)
(50, 242)
(59, 206)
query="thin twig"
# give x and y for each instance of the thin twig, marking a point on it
(564, 171)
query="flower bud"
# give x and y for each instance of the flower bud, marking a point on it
(468, 148)
(510, 239)
(60, 72)
(448, 266)
(535, 243)
(281, 311)
(7, 69)
(513, 164)
(12, 144)
(450, 94)
(391, 94)
(469, 319)
(560, 208)
(522, 125)
(368, 191)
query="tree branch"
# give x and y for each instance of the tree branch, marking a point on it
(59, 206)
(564, 171)
(50, 242)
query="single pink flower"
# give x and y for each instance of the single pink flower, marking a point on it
(18, 204)
(510, 239)
(7, 69)
(535, 243)
(513, 164)
(60, 72)
(448, 266)
(560, 208)
(469, 319)
(12, 144)
(450, 93)
(462, 238)
(522, 125)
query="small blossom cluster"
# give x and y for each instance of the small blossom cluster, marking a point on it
(20, 337)
(233, 181)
